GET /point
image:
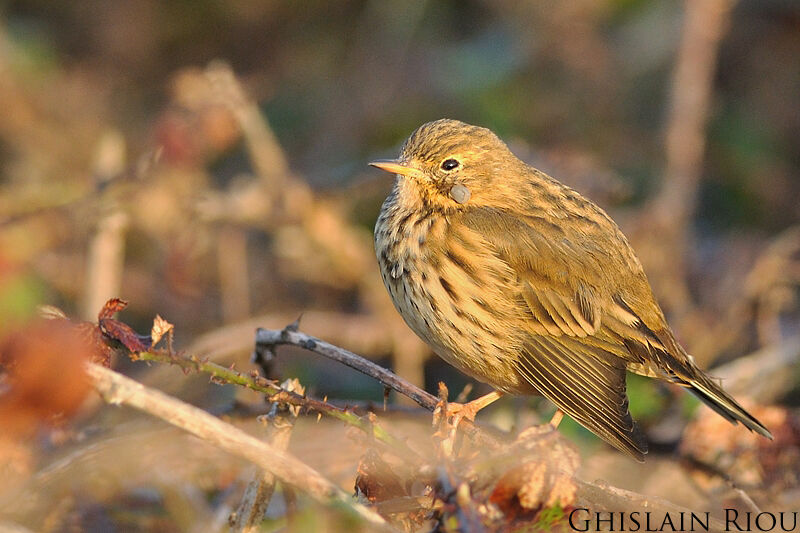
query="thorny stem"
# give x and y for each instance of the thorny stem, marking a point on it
(221, 374)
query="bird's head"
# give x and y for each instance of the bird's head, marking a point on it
(451, 164)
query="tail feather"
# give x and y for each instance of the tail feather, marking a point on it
(721, 402)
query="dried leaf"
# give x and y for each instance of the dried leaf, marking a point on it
(160, 328)
(376, 479)
(746, 457)
(114, 305)
(122, 332)
(541, 477)
(294, 385)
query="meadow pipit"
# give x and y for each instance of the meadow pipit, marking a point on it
(524, 284)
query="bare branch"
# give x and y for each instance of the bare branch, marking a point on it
(763, 375)
(268, 158)
(267, 338)
(259, 491)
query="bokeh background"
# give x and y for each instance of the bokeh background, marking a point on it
(206, 161)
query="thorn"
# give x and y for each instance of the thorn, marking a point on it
(294, 326)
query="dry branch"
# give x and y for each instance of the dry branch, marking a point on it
(120, 390)
(764, 375)
(260, 489)
(267, 155)
(268, 338)
(472, 475)
(8, 527)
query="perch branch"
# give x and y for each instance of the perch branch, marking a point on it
(118, 389)
(267, 339)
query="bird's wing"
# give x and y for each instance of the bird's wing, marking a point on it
(590, 387)
(565, 354)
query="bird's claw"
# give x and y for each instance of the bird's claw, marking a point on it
(453, 413)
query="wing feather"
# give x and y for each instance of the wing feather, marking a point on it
(591, 393)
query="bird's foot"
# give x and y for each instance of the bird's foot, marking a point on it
(448, 415)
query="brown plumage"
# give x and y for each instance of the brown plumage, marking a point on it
(522, 283)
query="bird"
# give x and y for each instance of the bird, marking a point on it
(524, 284)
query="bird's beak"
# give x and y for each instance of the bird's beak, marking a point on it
(395, 166)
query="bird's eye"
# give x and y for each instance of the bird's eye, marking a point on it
(450, 164)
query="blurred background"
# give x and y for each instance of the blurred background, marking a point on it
(206, 161)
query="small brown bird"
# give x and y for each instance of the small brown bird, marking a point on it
(524, 284)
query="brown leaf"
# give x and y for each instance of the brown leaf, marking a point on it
(114, 305)
(122, 332)
(746, 457)
(376, 479)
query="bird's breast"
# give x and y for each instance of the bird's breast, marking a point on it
(448, 291)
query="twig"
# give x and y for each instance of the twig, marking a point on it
(705, 23)
(118, 389)
(259, 384)
(692, 463)
(105, 261)
(8, 527)
(357, 407)
(361, 332)
(267, 339)
(259, 491)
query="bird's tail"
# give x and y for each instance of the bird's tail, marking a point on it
(721, 402)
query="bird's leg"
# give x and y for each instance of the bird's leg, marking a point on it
(448, 415)
(557, 417)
